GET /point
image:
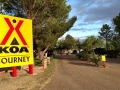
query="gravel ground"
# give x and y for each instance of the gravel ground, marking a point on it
(74, 74)
(23, 81)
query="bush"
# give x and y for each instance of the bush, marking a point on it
(92, 57)
(96, 59)
(83, 55)
(37, 62)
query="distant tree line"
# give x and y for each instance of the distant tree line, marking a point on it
(111, 35)
(91, 49)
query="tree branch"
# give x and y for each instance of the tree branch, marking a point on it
(38, 10)
(23, 6)
(34, 3)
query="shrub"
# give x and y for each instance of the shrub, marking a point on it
(96, 59)
(92, 57)
(83, 55)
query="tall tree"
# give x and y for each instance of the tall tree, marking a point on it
(116, 38)
(70, 42)
(116, 22)
(55, 24)
(50, 19)
(105, 33)
(23, 8)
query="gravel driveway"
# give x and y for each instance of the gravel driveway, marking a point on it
(73, 74)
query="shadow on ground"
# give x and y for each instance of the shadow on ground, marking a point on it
(113, 60)
(82, 64)
(74, 60)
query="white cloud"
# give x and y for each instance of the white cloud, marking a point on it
(96, 10)
(92, 14)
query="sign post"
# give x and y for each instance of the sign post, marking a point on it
(104, 61)
(14, 73)
(30, 69)
(16, 42)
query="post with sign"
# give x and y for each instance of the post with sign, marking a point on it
(104, 61)
(14, 73)
(16, 43)
(31, 69)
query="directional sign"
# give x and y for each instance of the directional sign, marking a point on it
(16, 46)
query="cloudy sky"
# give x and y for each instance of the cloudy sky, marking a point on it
(91, 15)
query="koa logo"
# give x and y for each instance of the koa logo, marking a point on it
(13, 49)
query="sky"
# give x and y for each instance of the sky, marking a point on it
(91, 15)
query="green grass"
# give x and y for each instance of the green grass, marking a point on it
(37, 62)
(47, 75)
(3, 79)
(51, 67)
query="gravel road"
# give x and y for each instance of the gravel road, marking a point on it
(74, 74)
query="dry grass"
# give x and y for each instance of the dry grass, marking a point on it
(29, 82)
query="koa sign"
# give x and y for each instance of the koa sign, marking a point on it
(16, 47)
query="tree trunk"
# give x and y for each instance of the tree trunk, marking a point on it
(41, 53)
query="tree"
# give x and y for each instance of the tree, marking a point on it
(99, 43)
(89, 43)
(78, 44)
(92, 43)
(89, 46)
(50, 19)
(105, 33)
(116, 22)
(23, 8)
(68, 43)
(61, 45)
(116, 37)
(114, 44)
(55, 24)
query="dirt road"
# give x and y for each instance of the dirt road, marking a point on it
(73, 74)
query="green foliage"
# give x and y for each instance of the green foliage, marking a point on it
(61, 44)
(83, 55)
(91, 57)
(50, 18)
(68, 43)
(78, 44)
(96, 59)
(54, 23)
(89, 47)
(92, 42)
(37, 62)
(106, 34)
(50, 70)
(116, 22)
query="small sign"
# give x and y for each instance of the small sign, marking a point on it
(103, 58)
(16, 43)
